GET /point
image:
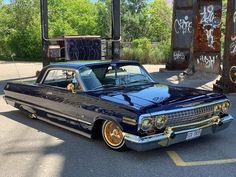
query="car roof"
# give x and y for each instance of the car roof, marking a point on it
(78, 64)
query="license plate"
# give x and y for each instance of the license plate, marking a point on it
(194, 134)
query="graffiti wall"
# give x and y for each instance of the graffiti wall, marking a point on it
(232, 52)
(182, 33)
(207, 36)
(227, 83)
(82, 48)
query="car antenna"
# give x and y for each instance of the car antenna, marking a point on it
(12, 57)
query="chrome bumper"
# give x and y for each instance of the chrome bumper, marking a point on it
(177, 134)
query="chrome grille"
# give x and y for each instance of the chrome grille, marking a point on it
(190, 116)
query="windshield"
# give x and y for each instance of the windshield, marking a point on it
(113, 75)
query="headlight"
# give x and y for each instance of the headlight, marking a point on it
(222, 107)
(152, 123)
(217, 108)
(161, 121)
(147, 124)
(225, 106)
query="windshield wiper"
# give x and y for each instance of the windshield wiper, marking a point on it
(140, 81)
(105, 86)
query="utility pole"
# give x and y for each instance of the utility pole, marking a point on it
(44, 30)
(116, 34)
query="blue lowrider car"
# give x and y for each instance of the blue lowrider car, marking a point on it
(121, 102)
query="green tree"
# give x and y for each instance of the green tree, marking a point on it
(104, 24)
(72, 17)
(5, 29)
(160, 21)
(25, 39)
(134, 6)
(134, 19)
(223, 24)
(20, 22)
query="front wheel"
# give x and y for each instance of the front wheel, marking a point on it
(113, 135)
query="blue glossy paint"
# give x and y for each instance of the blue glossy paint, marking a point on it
(82, 109)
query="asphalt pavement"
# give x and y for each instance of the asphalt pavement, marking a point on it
(32, 148)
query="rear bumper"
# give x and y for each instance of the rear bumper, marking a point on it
(175, 135)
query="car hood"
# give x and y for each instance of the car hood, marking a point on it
(156, 96)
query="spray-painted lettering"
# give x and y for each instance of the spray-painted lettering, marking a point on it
(234, 18)
(209, 23)
(208, 17)
(233, 45)
(178, 56)
(210, 37)
(207, 61)
(183, 25)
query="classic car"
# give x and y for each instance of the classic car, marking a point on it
(120, 102)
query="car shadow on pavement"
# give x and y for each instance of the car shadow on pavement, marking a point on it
(83, 156)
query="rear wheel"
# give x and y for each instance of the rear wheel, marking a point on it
(113, 135)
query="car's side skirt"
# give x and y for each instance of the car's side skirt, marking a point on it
(51, 114)
(65, 127)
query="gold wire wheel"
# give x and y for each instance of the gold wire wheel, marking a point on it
(113, 135)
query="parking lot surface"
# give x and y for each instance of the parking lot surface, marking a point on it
(34, 148)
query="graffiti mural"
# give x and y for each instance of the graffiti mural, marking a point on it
(82, 48)
(178, 56)
(233, 37)
(207, 61)
(209, 23)
(232, 74)
(183, 25)
(234, 18)
(227, 82)
(207, 36)
(233, 45)
(182, 34)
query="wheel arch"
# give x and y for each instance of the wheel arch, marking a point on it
(97, 125)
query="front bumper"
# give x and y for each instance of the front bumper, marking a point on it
(177, 134)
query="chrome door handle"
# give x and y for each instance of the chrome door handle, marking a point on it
(49, 93)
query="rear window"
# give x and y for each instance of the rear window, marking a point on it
(60, 78)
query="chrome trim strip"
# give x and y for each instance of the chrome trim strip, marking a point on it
(129, 121)
(49, 111)
(213, 119)
(163, 136)
(176, 110)
(65, 127)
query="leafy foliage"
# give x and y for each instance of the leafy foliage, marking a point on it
(144, 51)
(142, 23)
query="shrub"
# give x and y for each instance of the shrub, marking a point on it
(143, 51)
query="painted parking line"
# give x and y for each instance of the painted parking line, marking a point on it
(180, 162)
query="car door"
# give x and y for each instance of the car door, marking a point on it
(64, 105)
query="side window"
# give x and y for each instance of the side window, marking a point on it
(110, 72)
(60, 78)
(54, 76)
